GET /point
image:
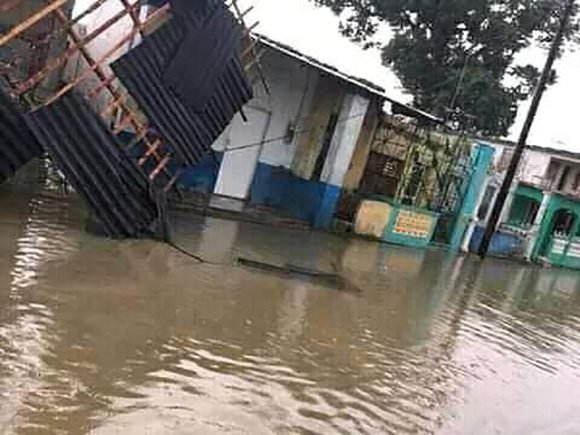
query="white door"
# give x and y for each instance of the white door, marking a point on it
(238, 165)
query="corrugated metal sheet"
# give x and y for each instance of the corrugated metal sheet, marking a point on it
(113, 185)
(188, 133)
(192, 9)
(216, 40)
(17, 143)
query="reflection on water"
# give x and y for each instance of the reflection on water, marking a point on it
(133, 337)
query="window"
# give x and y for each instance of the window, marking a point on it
(576, 184)
(382, 174)
(553, 171)
(564, 179)
(523, 212)
(532, 209)
(563, 222)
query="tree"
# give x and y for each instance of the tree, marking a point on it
(459, 55)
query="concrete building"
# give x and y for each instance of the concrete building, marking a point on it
(296, 146)
(303, 142)
(541, 219)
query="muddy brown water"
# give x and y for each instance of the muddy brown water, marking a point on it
(133, 337)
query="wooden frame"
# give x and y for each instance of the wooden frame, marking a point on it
(118, 106)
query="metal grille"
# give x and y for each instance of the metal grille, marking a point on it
(382, 175)
(420, 166)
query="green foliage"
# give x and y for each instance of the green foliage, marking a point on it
(459, 55)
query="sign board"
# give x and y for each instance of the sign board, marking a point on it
(412, 224)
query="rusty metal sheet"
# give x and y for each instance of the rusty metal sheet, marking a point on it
(112, 184)
(188, 133)
(17, 143)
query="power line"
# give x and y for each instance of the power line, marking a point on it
(298, 132)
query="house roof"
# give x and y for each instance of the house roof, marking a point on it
(361, 83)
(547, 150)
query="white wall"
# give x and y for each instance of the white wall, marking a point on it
(534, 166)
(239, 163)
(292, 87)
(350, 122)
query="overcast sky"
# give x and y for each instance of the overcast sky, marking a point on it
(314, 31)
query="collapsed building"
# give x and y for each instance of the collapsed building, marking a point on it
(123, 126)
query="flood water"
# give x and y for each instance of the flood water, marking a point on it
(134, 337)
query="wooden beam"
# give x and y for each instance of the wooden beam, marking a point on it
(79, 45)
(8, 4)
(117, 96)
(86, 73)
(151, 151)
(30, 21)
(54, 33)
(255, 61)
(134, 17)
(138, 138)
(248, 31)
(116, 102)
(97, 90)
(162, 166)
(173, 181)
(250, 49)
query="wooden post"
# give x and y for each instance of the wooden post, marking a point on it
(112, 90)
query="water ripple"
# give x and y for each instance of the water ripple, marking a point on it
(131, 337)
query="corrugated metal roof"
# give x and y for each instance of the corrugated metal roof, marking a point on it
(188, 133)
(17, 143)
(113, 185)
(363, 84)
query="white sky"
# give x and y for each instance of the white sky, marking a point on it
(314, 31)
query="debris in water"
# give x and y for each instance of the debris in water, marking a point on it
(327, 279)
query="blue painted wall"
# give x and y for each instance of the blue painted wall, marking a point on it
(502, 244)
(311, 201)
(276, 187)
(203, 176)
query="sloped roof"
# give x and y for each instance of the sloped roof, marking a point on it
(543, 149)
(361, 83)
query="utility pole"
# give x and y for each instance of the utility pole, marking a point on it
(509, 178)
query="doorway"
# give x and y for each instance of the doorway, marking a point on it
(326, 142)
(243, 145)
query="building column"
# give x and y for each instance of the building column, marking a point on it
(535, 230)
(474, 220)
(482, 159)
(344, 140)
